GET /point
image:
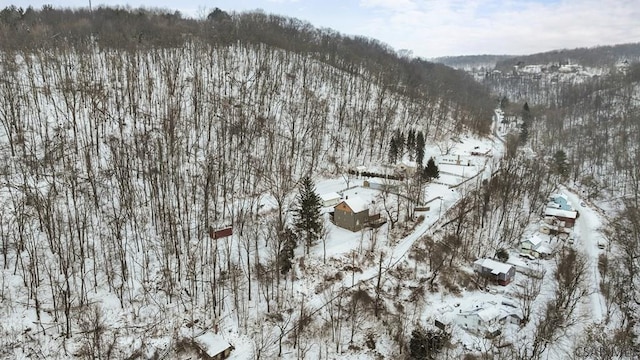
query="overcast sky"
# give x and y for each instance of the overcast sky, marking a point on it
(431, 28)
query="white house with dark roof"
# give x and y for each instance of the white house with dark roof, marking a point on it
(498, 272)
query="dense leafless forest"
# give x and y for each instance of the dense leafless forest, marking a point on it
(129, 133)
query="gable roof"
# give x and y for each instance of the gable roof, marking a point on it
(534, 240)
(561, 201)
(488, 314)
(496, 267)
(329, 196)
(561, 213)
(212, 344)
(355, 204)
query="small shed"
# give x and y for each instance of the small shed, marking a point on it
(498, 272)
(351, 214)
(330, 199)
(214, 346)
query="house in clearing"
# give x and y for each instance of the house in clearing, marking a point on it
(535, 247)
(496, 271)
(561, 213)
(330, 199)
(351, 214)
(482, 321)
(565, 218)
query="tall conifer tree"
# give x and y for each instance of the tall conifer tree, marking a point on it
(307, 216)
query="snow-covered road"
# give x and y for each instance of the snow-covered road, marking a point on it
(588, 235)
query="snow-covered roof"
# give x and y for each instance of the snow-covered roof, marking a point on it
(356, 204)
(484, 312)
(561, 213)
(495, 266)
(543, 249)
(329, 196)
(212, 344)
(488, 314)
(561, 201)
(534, 240)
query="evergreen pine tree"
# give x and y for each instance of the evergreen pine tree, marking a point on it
(418, 344)
(526, 123)
(560, 164)
(504, 103)
(411, 143)
(427, 344)
(393, 150)
(399, 139)
(286, 253)
(307, 216)
(431, 171)
(420, 148)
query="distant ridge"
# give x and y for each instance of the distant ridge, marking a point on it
(469, 62)
(592, 57)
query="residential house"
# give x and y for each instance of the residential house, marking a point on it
(496, 271)
(564, 218)
(482, 320)
(535, 247)
(351, 214)
(561, 212)
(330, 199)
(559, 201)
(529, 268)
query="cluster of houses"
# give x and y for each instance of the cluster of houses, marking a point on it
(559, 218)
(483, 318)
